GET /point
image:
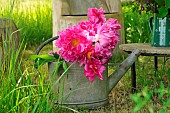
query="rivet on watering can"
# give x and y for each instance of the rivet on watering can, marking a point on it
(156, 30)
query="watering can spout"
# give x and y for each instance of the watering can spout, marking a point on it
(115, 77)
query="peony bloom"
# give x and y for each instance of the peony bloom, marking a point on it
(90, 43)
(87, 55)
(96, 16)
(72, 44)
(94, 68)
(88, 28)
(102, 53)
(113, 24)
(107, 35)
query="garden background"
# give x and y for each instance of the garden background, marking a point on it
(24, 89)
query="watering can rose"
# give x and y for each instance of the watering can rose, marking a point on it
(89, 42)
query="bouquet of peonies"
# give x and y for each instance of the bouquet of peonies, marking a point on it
(89, 43)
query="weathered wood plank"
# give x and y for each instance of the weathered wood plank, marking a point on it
(114, 6)
(146, 49)
(80, 7)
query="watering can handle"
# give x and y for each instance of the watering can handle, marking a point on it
(151, 23)
(45, 43)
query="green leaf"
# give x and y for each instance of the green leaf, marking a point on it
(47, 57)
(41, 59)
(39, 62)
(141, 99)
(167, 102)
(138, 100)
(160, 2)
(162, 111)
(57, 56)
(167, 3)
(163, 12)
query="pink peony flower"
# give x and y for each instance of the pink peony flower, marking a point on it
(88, 54)
(88, 29)
(96, 16)
(90, 43)
(102, 53)
(94, 68)
(72, 43)
(107, 35)
(113, 24)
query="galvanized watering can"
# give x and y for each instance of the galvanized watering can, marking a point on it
(74, 88)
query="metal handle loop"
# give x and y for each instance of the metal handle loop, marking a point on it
(45, 43)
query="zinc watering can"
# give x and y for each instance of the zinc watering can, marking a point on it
(160, 28)
(75, 90)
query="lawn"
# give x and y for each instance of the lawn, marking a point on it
(26, 89)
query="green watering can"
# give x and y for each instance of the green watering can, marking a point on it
(160, 28)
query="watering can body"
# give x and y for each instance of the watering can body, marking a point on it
(75, 90)
(160, 28)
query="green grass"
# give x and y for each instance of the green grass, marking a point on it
(24, 89)
(34, 18)
(136, 25)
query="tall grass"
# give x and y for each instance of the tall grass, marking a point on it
(20, 90)
(24, 89)
(34, 18)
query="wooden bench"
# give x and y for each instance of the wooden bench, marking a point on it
(145, 50)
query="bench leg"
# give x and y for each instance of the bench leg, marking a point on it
(133, 78)
(133, 73)
(156, 62)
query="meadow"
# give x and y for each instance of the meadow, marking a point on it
(26, 89)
